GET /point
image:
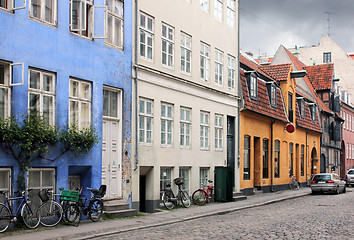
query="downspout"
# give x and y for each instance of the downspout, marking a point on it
(239, 89)
(271, 157)
(135, 67)
(306, 158)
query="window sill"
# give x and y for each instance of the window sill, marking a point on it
(205, 149)
(7, 10)
(111, 45)
(145, 144)
(82, 36)
(146, 59)
(53, 25)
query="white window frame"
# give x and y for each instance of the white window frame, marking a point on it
(148, 34)
(144, 116)
(42, 184)
(166, 122)
(219, 56)
(273, 95)
(219, 131)
(120, 17)
(253, 87)
(87, 29)
(185, 127)
(80, 100)
(204, 130)
(6, 87)
(231, 71)
(118, 109)
(218, 9)
(41, 18)
(203, 177)
(186, 53)
(10, 5)
(41, 92)
(205, 59)
(8, 187)
(204, 5)
(167, 40)
(185, 172)
(230, 13)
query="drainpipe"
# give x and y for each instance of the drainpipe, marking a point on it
(135, 67)
(271, 156)
(306, 158)
(239, 88)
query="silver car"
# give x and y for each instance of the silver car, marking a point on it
(349, 178)
(327, 182)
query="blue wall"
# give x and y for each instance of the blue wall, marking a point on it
(57, 50)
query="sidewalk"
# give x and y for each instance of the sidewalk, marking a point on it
(89, 230)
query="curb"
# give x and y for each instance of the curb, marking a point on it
(220, 212)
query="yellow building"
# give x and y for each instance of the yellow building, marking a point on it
(274, 106)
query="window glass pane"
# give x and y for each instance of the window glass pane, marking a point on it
(113, 105)
(34, 102)
(148, 108)
(34, 179)
(48, 13)
(34, 79)
(85, 115)
(3, 102)
(142, 106)
(2, 74)
(117, 32)
(74, 112)
(48, 82)
(74, 89)
(109, 30)
(48, 108)
(47, 178)
(4, 179)
(36, 8)
(105, 102)
(85, 91)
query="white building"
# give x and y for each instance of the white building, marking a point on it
(328, 51)
(186, 94)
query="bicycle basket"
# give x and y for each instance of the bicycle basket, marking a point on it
(178, 181)
(43, 195)
(71, 196)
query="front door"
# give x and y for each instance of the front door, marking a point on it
(112, 143)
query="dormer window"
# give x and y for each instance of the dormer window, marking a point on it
(272, 94)
(301, 103)
(313, 112)
(253, 87)
(290, 107)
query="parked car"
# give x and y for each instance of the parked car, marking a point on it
(349, 177)
(327, 182)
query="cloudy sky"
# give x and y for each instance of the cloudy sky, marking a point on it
(266, 24)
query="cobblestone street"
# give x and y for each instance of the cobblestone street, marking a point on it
(311, 217)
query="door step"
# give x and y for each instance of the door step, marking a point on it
(238, 196)
(117, 208)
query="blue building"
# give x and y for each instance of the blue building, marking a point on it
(71, 61)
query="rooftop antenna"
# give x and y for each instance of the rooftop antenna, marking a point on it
(329, 22)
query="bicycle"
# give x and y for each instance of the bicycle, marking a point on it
(293, 184)
(26, 209)
(50, 212)
(200, 196)
(94, 208)
(170, 200)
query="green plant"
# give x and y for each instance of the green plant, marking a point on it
(30, 136)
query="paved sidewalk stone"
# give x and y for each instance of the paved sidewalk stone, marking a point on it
(88, 230)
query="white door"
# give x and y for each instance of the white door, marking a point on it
(112, 144)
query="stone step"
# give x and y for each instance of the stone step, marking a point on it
(115, 206)
(120, 213)
(239, 198)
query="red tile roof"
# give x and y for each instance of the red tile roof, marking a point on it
(307, 121)
(279, 72)
(321, 76)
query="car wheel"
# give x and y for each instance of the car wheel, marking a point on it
(337, 190)
(314, 192)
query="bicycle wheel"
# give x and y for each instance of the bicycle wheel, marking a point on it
(199, 197)
(166, 200)
(185, 199)
(50, 213)
(30, 215)
(95, 210)
(5, 218)
(72, 213)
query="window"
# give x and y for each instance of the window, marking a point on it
(313, 112)
(111, 99)
(44, 10)
(204, 130)
(145, 121)
(186, 53)
(327, 57)
(165, 178)
(10, 5)
(185, 127)
(273, 95)
(218, 132)
(184, 173)
(115, 22)
(80, 103)
(166, 124)
(204, 61)
(253, 87)
(5, 182)
(167, 45)
(302, 160)
(265, 158)
(302, 108)
(204, 4)
(230, 14)
(230, 72)
(218, 8)
(290, 107)
(291, 159)
(41, 94)
(246, 158)
(218, 66)
(146, 36)
(203, 177)
(81, 17)
(38, 179)
(5, 90)
(277, 159)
